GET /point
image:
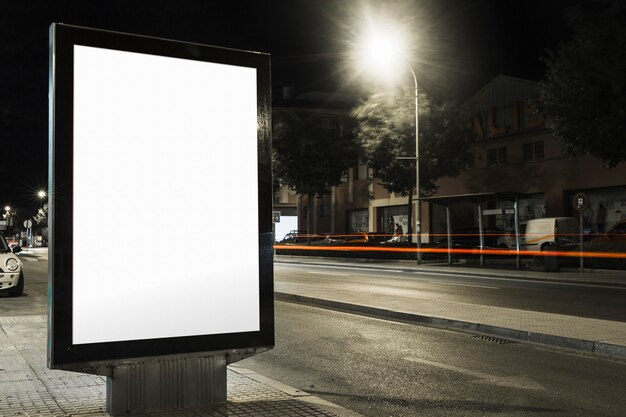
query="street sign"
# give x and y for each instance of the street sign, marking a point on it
(580, 202)
(28, 224)
(276, 216)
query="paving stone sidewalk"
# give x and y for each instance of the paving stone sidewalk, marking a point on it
(28, 388)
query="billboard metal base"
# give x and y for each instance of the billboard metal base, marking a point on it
(135, 388)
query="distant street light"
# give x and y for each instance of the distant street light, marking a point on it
(8, 216)
(383, 50)
(41, 194)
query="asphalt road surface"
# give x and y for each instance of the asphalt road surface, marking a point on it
(380, 368)
(35, 298)
(584, 300)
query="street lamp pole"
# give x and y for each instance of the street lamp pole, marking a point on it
(385, 47)
(418, 208)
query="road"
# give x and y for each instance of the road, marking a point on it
(576, 299)
(35, 298)
(380, 368)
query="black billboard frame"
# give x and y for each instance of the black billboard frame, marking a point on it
(62, 353)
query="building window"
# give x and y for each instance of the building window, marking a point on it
(324, 210)
(539, 149)
(527, 151)
(532, 150)
(496, 156)
(471, 160)
(502, 155)
(358, 221)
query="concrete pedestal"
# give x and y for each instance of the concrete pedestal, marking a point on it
(135, 388)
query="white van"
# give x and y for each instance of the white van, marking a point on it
(541, 232)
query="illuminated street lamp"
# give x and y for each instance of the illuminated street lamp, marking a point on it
(41, 194)
(8, 216)
(383, 51)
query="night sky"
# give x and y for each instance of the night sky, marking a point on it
(462, 45)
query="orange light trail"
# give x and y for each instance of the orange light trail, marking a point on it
(506, 252)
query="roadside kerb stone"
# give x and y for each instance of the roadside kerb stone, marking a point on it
(601, 348)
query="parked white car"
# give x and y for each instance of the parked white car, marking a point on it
(11, 270)
(536, 234)
(507, 241)
(542, 232)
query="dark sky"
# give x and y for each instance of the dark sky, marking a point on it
(462, 45)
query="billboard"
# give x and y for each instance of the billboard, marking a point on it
(152, 139)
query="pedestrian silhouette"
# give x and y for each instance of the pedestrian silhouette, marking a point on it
(601, 218)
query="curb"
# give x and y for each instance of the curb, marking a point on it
(296, 394)
(581, 345)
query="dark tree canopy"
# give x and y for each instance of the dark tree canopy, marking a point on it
(584, 90)
(307, 157)
(386, 131)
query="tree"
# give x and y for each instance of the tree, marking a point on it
(309, 158)
(386, 131)
(583, 92)
(42, 215)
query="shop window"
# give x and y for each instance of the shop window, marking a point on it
(358, 221)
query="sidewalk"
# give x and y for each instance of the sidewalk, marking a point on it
(29, 388)
(603, 337)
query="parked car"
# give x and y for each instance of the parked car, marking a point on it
(507, 241)
(469, 238)
(365, 237)
(547, 230)
(296, 237)
(616, 234)
(11, 270)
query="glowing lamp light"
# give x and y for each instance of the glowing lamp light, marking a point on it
(383, 51)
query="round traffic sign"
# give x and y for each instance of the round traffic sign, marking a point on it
(580, 202)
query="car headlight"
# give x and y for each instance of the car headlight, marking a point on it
(12, 264)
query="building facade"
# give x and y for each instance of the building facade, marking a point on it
(514, 152)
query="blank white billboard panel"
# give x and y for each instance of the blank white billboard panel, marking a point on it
(160, 144)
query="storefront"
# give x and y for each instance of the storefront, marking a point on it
(606, 207)
(358, 220)
(392, 216)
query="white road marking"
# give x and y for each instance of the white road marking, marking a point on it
(464, 285)
(328, 273)
(28, 259)
(351, 268)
